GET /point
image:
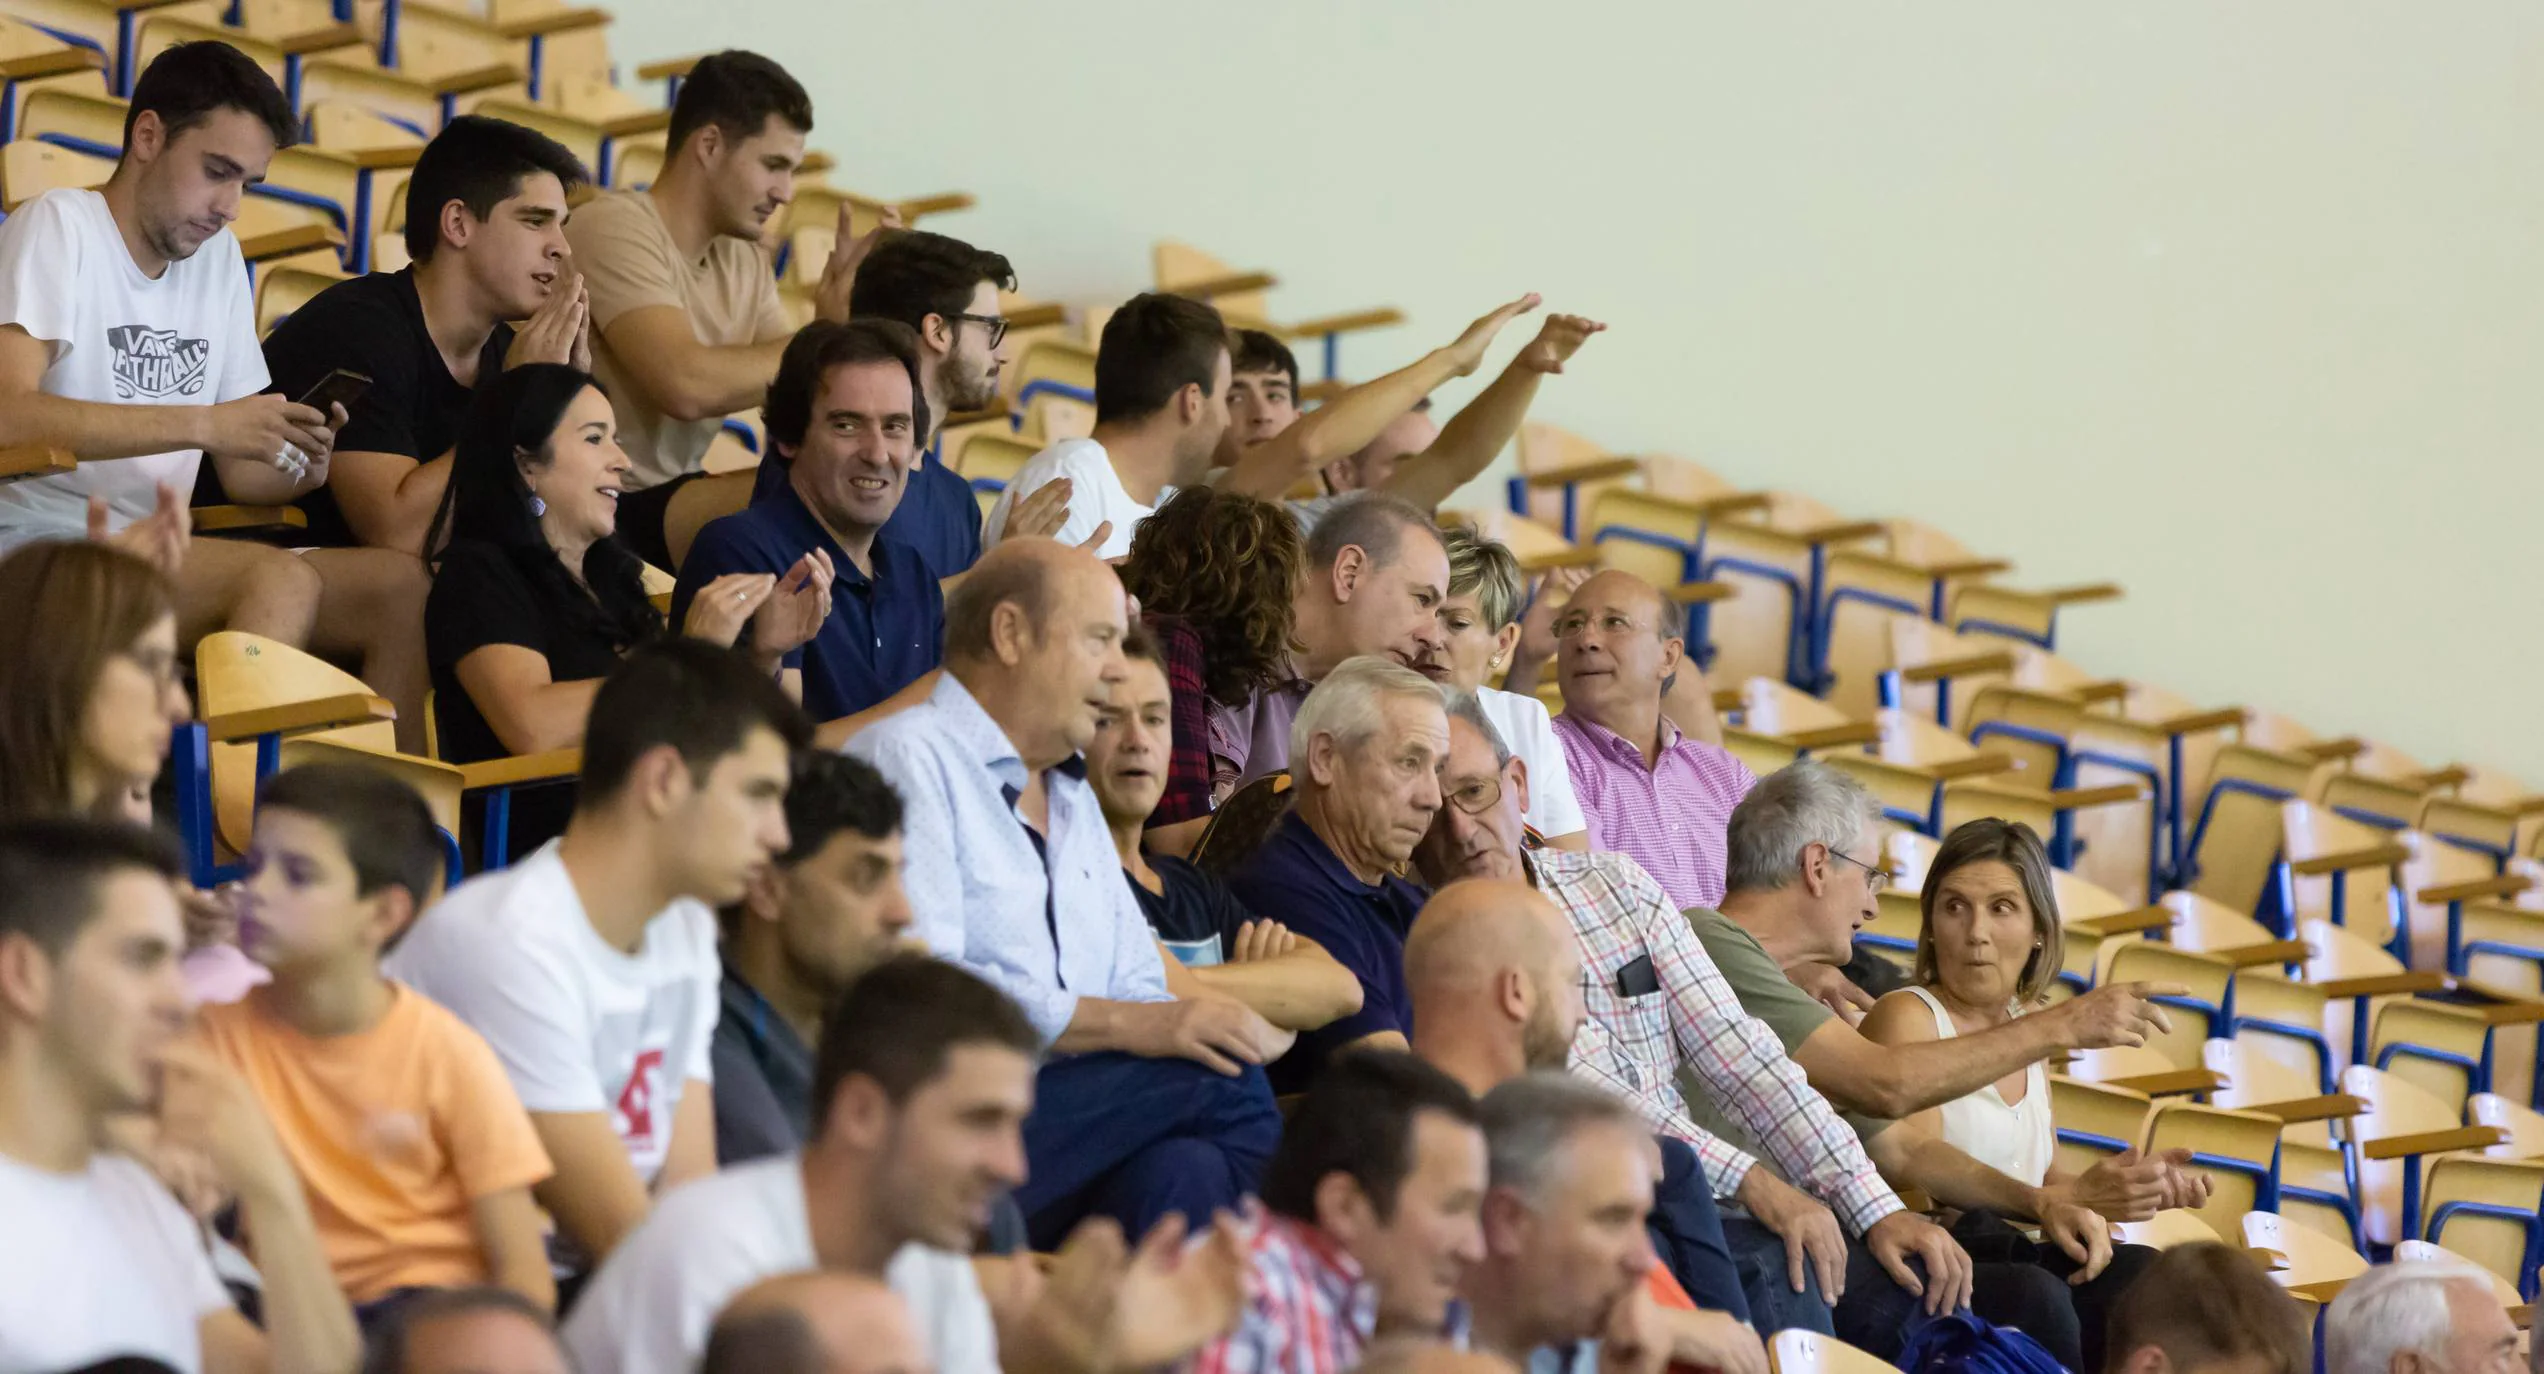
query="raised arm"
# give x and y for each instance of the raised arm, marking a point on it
(1346, 424)
(1476, 435)
(1896, 1080)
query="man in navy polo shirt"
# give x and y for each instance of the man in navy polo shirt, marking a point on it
(843, 420)
(1366, 750)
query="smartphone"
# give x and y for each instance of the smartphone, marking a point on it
(340, 388)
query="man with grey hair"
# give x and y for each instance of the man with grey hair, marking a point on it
(1366, 750)
(2431, 1316)
(1009, 868)
(1376, 575)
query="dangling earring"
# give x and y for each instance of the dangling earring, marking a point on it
(537, 506)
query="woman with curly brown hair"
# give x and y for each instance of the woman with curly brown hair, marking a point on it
(1215, 574)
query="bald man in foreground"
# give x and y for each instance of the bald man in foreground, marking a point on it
(1149, 1103)
(1495, 980)
(821, 1322)
(1648, 790)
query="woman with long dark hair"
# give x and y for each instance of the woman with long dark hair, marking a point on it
(89, 687)
(535, 598)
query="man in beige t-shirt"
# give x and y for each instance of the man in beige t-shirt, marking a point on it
(687, 324)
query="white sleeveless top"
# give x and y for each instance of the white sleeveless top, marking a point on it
(2013, 1140)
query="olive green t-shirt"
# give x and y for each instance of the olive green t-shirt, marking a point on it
(1764, 992)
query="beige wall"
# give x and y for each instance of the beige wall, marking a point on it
(2239, 304)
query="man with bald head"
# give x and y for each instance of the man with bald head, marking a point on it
(1150, 1103)
(1648, 790)
(1366, 752)
(818, 1322)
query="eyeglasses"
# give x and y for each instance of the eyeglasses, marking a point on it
(995, 324)
(1875, 878)
(1478, 797)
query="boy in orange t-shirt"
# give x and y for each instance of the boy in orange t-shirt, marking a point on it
(417, 1156)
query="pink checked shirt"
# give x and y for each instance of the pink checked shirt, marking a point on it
(1311, 1312)
(1670, 817)
(1633, 1046)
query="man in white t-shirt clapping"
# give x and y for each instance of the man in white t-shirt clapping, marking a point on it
(926, 1075)
(100, 1261)
(590, 967)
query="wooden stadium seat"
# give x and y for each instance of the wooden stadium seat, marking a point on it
(2197, 1016)
(1187, 271)
(2522, 1127)
(2402, 1128)
(2166, 1229)
(2140, 1068)
(2486, 1210)
(32, 59)
(2304, 1261)
(988, 458)
(2233, 855)
(2503, 1286)
(253, 691)
(2095, 1121)
(83, 135)
(2238, 1151)
(2316, 1183)
(1796, 1351)
(1241, 823)
(1048, 369)
(555, 44)
(285, 285)
(802, 236)
(1537, 548)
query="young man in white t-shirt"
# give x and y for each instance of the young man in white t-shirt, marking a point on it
(926, 1074)
(128, 338)
(590, 967)
(99, 1260)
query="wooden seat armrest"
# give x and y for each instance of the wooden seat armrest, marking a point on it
(282, 243)
(1997, 661)
(2095, 693)
(2130, 922)
(2383, 984)
(2267, 952)
(299, 717)
(2433, 1142)
(2505, 885)
(942, 203)
(1229, 284)
(1969, 567)
(2077, 596)
(2198, 722)
(2522, 1316)
(33, 460)
(1346, 322)
(636, 122)
(208, 519)
(1037, 316)
(2337, 1106)
(552, 21)
(2500, 1006)
(1570, 556)
(1730, 699)
(2171, 1081)
(2342, 861)
(1976, 766)
(671, 67)
(54, 63)
(1595, 470)
(2111, 794)
(2331, 750)
(973, 417)
(327, 39)
(385, 157)
(1842, 532)
(522, 769)
(1693, 593)
(1829, 737)
(2526, 806)
(478, 79)
(2453, 775)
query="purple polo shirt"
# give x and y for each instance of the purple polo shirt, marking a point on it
(1673, 818)
(1253, 740)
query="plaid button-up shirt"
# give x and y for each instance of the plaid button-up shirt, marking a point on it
(1312, 1311)
(1634, 1045)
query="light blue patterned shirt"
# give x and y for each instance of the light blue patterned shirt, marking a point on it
(1045, 930)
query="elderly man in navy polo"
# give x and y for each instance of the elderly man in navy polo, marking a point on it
(843, 418)
(1366, 750)
(1152, 1102)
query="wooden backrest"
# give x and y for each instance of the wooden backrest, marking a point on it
(236, 671)
(2249, 1138)
(29, 169)
(1178, 265)
(1241, 823)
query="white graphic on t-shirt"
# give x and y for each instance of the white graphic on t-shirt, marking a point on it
(154, 363)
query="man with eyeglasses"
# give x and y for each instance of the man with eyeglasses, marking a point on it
(1647, 790)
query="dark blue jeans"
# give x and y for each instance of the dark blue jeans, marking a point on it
(1757, 1254)
(1687, 1232)
(1133, 1139)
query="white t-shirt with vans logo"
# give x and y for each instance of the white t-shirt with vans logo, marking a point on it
(580, 1025)
(117, 337)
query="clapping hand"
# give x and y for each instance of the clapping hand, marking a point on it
(159, 538)
(559, 331)
(796, 607)
(722, 607)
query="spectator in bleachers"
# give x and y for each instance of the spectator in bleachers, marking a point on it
(1479, 626)
(683, 303)
(466, 1331)
(2208, 1309)
(1216, 575)
(100, 1260)
(90, 676)
(1371, 740)
(590, 966)
(1377, 573)
(1161, 403)
(128, 337)
(843, 420)
(344, 857)
(1399, 450)
(536, 598)
(817, 1322)
(2432, 1316)
(946, 291)
(828, 909)
(1216, 941)
(1648, 790)
(488, 287)
(1154, 1104)
(1370, 1219)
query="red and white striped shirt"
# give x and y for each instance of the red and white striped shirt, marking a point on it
(1312, 1311)
(1670, 817)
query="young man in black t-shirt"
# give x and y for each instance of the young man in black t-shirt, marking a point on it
(485, 229)
(1215, 941)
